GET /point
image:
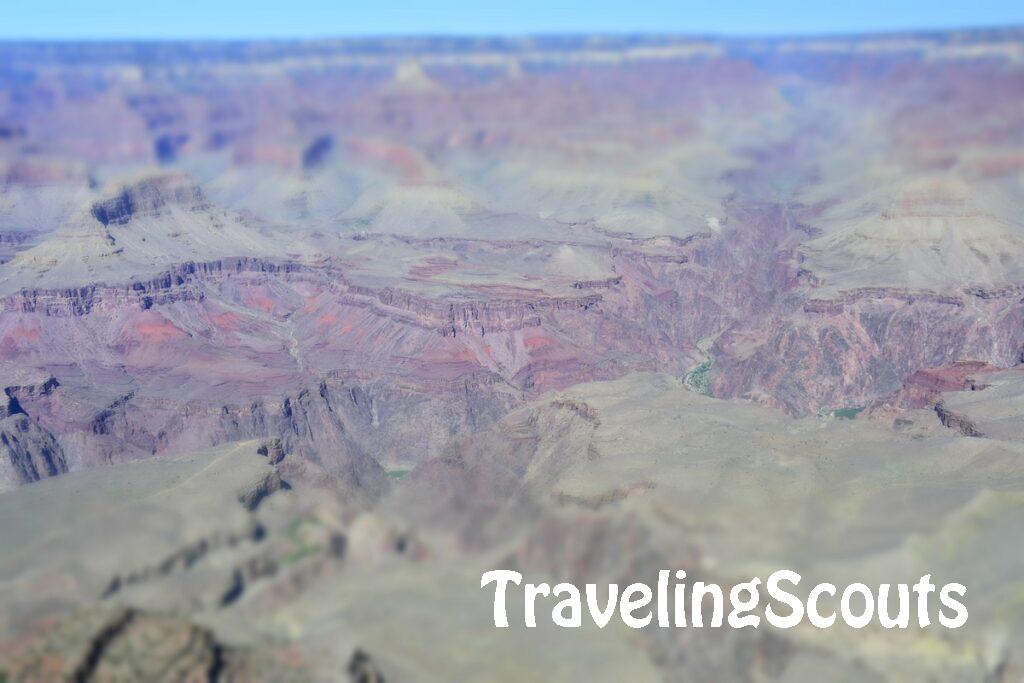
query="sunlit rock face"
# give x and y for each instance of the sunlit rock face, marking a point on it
(380, 260)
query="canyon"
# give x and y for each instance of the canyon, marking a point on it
(290, 332)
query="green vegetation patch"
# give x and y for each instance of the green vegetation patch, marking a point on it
(302, 547)
(847, 413)
(699, 379)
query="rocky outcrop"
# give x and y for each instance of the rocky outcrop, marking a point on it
(316, 152)
(185, 557)
(314, 424)
(126, 644)
(960, 423)
(255, 493)
(28, 452)
(922, 388)
(362, 669)
(273, 450)
(148, 196)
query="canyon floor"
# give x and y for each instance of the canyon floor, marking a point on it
(298, 339)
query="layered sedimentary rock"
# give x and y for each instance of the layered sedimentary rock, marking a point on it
(791, 260)
(338, 321)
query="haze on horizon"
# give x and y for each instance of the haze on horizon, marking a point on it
(305, 19)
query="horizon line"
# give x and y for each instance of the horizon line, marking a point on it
(539, 35)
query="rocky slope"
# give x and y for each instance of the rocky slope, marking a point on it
(271, 565)
(727, 490)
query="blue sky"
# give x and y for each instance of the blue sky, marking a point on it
(157, 19)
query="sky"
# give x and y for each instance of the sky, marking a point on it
(228, 19)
